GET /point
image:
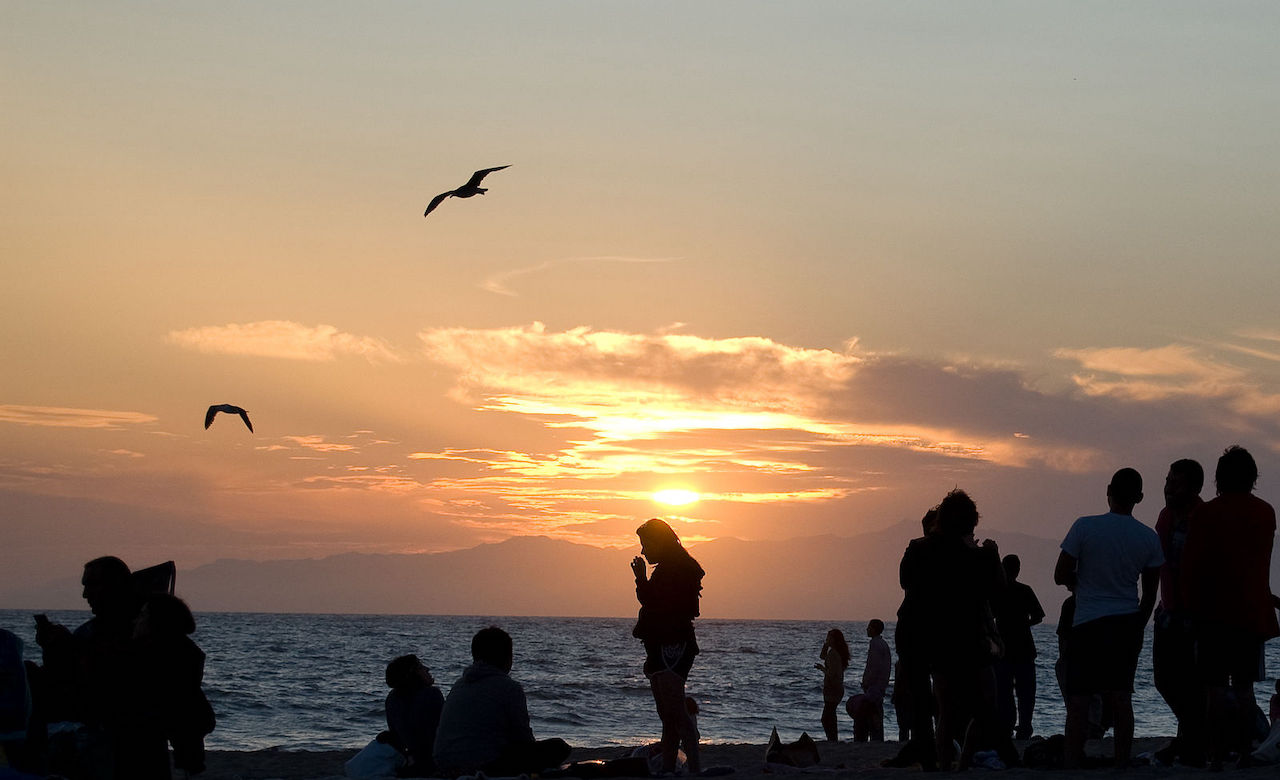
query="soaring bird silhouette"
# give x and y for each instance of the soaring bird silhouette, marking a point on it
(471, 188)
(229, 409)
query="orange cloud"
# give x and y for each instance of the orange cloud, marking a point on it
(318, 444)
(281, 339)
(1177, 371)
(63, 417)
(1174, 360)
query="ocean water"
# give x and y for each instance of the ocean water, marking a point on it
(316, 681)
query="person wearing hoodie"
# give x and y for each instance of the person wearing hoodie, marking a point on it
(484, 725)
(668, 599)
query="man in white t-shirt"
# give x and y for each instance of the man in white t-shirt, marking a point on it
(1103, 557)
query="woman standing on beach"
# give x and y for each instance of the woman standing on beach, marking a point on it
(835, 659)
(668, 604)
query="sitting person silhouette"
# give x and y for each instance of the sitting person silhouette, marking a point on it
(87, 674)
(413, 713)
(484, 725)
(168, 670)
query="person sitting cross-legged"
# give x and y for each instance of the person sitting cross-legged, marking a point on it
(485, 722)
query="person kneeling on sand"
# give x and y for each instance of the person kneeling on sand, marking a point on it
(485, 722)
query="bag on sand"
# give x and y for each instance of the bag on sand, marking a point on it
(801, 753)
(1045, 753)
(377, 759)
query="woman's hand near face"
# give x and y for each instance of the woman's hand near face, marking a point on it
(639, 568)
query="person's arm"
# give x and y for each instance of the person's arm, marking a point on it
(521, 731)
(431, 718)
(641, 573)
(1065, 572)
(1189, 565)
(1150, 588)
(1035, 614)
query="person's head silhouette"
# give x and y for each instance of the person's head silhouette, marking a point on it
(957, 514)
(1125, 491)
(1237, 472)
(1012, 567)
(107, 586)
(1183, 483)
(929, 523)
(407, 672)
(493, 646)
(164, 615)
(658, 542)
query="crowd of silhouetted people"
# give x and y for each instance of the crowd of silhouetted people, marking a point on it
(966, 673)
(113, 696)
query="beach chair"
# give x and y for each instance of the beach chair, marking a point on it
(160, 578)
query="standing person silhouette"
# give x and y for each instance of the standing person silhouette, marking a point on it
(1103, 558)
(1173, 647)
(1016, 610)
(1226, 566)
(668, 605)
(913, 684)
(835, 659)
(875, 683)
(950, 579)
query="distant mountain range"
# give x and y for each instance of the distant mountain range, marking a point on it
(807, 578)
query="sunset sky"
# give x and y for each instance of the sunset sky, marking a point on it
(816, 263)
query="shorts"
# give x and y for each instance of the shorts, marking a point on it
(1102, 655)
(1227, 654)
(672, 657)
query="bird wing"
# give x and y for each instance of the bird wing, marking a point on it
(209, 415)
(436, 201)
(478, 176)
(245, 416)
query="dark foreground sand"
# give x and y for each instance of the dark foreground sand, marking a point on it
(843, 759)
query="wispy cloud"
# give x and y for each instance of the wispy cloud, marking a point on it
(1175, 361)
(282, 339)
(376, 482)
(499, 282)
(1260, 334)
(63, 417)
(1178, 371)
(588, 367)
(318, 443)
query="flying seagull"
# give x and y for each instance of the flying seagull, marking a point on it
(472, 187)
(228, 409)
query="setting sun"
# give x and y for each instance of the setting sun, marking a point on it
(675, 497)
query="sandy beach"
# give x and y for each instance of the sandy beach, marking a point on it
(843, 759)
